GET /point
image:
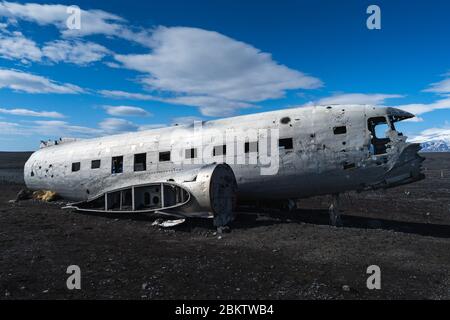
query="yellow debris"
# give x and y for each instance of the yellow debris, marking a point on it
(45, 195)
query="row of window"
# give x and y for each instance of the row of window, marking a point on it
(140, 159)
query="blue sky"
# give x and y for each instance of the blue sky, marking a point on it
(137, 65)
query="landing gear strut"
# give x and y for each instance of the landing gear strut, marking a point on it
(335, 214)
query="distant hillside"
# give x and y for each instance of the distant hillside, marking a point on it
(13, 160)
(11, 166)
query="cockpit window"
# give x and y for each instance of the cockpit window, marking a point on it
(393, 120)
(381, 130)
(378, 128)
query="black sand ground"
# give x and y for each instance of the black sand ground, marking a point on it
(405, 231)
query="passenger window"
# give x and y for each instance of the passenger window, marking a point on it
(76, 166)
(95, 164)
(340, 130)
(117, 164)
(140, 162)
(220, 150)
(286, 143)
(251, 147)
(164, 156)
(191, 153)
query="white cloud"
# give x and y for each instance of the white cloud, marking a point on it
(76, 52)
(31, 113)
(185, 120)
(55, 129)
(380, 99)
(200, 65)
(439, 87)
(357, 98)
(432, 134)
(151, 126)
(30, 83)
(58, 129)
(41, 14)
(126, 111)
(92, 21)
(421, 108)
(117, 94)
(116, 125)
(10, 128)
(415, 119)
(112, 65)
(14, 46)
(187, 66)
(43, 129)
(210, 106)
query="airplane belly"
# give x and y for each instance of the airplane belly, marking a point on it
(208, 191)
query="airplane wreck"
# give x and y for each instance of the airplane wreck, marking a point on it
(205, 169)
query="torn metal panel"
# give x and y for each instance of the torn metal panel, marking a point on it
(168, 223)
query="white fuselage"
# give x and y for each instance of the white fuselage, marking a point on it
(323, 159)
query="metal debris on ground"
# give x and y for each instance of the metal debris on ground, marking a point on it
(167, 223)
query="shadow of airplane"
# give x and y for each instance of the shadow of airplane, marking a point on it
(321, 217)
(251, 219)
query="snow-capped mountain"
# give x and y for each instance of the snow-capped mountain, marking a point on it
(435, 146)
(433, 139)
